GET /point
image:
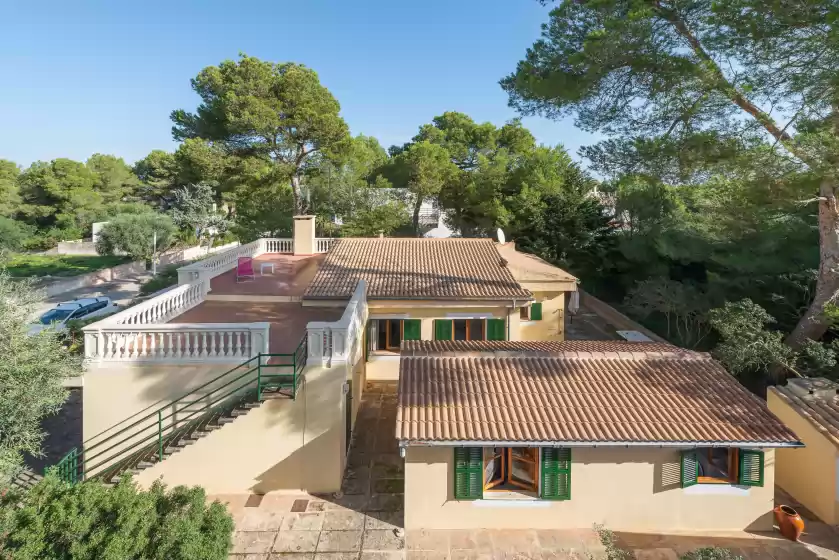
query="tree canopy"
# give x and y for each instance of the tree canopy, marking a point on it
(684, 86)
(276, 113)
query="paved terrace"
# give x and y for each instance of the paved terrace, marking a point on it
(254, 302)
(288, 320)
(290, 278)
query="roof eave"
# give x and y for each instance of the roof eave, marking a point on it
(679, 444)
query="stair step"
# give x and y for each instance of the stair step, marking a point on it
(225, 420)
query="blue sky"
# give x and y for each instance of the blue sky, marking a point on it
(87, 77)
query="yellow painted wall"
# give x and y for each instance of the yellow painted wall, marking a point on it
(808, 474)
(627, 489)
(552, 325)
(281, 446)
(386, 367)
(118, 395)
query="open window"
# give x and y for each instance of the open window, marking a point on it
(722, 465)
(542, 473)
(386, 335)
(532, 312)
(511, 468)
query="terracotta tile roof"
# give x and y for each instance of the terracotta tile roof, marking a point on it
(530, 268)
(581, 397)
(440, 347)
(822, 412)
(451, 269)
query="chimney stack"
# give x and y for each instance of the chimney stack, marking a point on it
(304, 235)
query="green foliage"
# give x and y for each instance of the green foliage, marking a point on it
(14, 235)
(385, 218)
(194, 209)
(158, 175)
(683, 306)
(71, 195)
(37, 266)
(745, 344)
(9, 189)
(134, 234)
(722, 102)
(572, 231)
(167, 276)
(609, 541)
(92, 521)
(279, 114)
(711, 553)
(427, 168)
(32, 370)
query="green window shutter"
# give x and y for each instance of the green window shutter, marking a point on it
(496, 329)
(556, 473)
(751, 468)
(536, 312)
(369, 341)
(468, 473)
(689, 470)
(442, 329)
(411, 329)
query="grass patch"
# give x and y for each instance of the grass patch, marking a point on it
(22, 265)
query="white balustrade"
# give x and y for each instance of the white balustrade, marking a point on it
(340, 341)
(324, 244)
(279, 245)
(176, 343)
(163, 307)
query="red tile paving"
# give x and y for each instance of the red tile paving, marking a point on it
(291, 276)
(288, 320)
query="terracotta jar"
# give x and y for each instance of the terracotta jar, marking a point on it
(789, 522)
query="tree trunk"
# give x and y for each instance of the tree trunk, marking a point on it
(300, 205)
(812, 324)
(417, 207)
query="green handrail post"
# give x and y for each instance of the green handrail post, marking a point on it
(160, 435)
(259, 379)
(294, 374)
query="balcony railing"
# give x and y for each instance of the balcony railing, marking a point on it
(163, 307)
(340, 341)
(141, 333)
(175, 343)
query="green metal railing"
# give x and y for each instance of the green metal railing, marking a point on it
(147, 438)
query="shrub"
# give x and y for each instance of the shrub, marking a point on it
(90, 520)
(14, 234)
(711, 553)
(133, 235)
(610, 542)
(168, 276)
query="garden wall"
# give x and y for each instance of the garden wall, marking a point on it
(128, 270)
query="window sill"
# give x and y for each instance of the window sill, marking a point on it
(383, 354)
(705, 489)
(500, 503)
(520, 495)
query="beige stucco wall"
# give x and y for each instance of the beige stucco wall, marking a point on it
(117, 394)
(808, 474)
(634, 489)
(281, 446)
(386, 367)
(552, 325)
